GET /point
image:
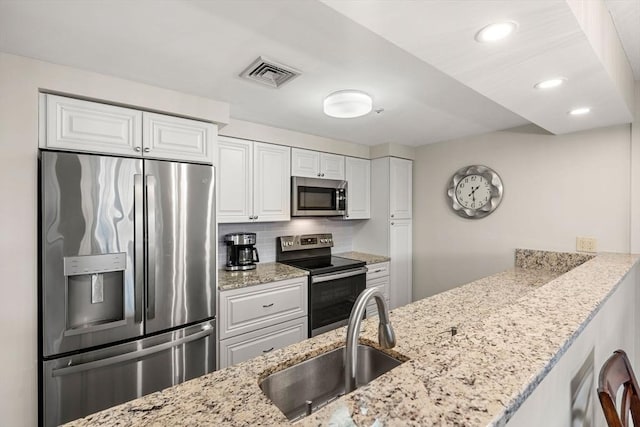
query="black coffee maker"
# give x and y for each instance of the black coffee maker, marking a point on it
(241, 251)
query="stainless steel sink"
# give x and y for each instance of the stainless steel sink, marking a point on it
(303, 388)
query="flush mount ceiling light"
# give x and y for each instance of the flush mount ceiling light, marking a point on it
(495, 32)
(347, 104)
(551, 83)
(579, 111)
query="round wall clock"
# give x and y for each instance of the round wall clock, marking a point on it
(475, 191)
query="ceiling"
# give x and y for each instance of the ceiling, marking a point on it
(417, 59)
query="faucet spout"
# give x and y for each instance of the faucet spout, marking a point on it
(386, 336)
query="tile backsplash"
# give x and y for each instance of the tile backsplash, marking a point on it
(266, 233)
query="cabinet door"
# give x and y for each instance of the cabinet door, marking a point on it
(76, 125)
(234, 180)
(262, 341)
(358, 173)
(331, 166)
(400, 188)
(271, 182)
(305, 163)
(175, 138)
(401, 264)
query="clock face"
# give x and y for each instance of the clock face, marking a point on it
(473, 191)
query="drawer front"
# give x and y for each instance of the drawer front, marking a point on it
(245, 310)
(377, 270)
(247, 346)
(382, 284)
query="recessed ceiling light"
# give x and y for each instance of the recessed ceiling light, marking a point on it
(495, 32)
(579, 111)
(347, 104)
(551, 83)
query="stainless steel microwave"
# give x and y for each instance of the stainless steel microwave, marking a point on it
(318, 197)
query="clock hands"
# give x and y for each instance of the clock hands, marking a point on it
(472, 194)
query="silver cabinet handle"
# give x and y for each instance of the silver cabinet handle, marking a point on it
(137, 149)
(147, 149)
(333, 276)
(138, 254)
(134, 355)
(377, 271)
(255, 217)
(151, 246)
(268, 351)
(268, 305)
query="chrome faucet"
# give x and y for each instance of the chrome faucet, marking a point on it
(386, 336)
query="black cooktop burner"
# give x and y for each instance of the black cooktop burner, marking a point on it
(325, 264)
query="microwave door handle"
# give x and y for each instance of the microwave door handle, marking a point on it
(132, 355)
(138, 254)
(151, 246)
(256, 257)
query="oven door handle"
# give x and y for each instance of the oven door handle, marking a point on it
(334, 276)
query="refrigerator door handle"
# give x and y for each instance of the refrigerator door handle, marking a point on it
(151, 246)
(138, 255)
(126, 357)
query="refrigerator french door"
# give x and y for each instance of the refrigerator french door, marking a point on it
(127, 282)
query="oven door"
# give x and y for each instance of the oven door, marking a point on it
(318, 197)
(331, 298)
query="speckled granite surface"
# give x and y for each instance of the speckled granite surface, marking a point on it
(264, 273)
(361, 256)
(547, 260)
(512, 328)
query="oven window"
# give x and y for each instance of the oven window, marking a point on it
(316, 198)
(332, 301)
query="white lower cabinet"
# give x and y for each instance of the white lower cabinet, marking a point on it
(259, 319)
(400, 244)
(378, 277)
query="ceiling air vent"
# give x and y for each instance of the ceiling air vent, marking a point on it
(268, 72)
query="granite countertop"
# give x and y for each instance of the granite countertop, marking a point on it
(361, 256)
(511, 329)
(264, 273)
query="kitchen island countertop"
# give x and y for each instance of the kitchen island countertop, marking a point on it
(512, 327)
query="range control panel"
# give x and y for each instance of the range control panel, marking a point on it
(305, 241)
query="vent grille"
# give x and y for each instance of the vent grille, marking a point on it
(268, 72)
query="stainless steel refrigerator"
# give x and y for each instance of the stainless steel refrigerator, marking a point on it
(127, 279)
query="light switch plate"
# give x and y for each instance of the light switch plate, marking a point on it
(586, 244)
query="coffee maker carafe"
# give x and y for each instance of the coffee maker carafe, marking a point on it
(241, 251)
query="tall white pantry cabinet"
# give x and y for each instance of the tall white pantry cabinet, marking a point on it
(389, 231)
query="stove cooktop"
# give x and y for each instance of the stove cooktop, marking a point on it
(325, 264)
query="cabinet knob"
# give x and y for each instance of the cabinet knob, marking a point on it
(147, 149)
(137, 149)
(255, 217)
(392, 223)
(319, 174)
(251, 217)
(391, 215)
(322, 174)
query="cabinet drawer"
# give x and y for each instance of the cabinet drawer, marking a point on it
(377, 270)
(381, 283)
(245, 310)
(252, 344)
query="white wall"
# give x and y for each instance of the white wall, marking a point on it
(555, 189)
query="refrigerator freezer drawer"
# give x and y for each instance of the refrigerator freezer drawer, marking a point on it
(86, 383)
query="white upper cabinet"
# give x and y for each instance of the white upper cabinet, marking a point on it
(358, 174)
(271, 182)
(314, 164)
(72, 124)
(400, 188)
(78, 125)
(234, 187)
(254, 183)
(175, 138)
